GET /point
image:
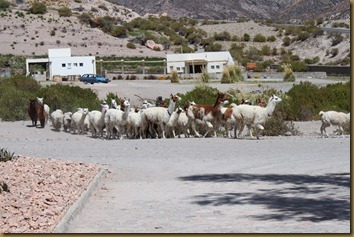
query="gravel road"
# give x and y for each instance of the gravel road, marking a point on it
(295, 184)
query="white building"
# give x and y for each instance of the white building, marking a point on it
(191, 63)
(61, 63)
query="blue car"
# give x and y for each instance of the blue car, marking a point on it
(93, 78)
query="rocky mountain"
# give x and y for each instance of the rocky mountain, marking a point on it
(252, 9)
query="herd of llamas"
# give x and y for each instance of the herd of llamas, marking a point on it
(119, 120)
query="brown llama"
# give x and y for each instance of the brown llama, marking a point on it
(32, 112)
(42, 114)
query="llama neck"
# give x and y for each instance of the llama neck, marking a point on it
(171, 107)
(126, 112)
(83, 116)
(270, 108)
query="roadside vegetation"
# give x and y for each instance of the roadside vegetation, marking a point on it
(301, 103)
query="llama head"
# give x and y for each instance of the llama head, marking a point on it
(179, 110)
(85, 111)
(126, 103)
(191, 103)
(175, 98)
(40, 100)
(274, 98)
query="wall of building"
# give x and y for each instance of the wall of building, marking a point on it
(72, 66)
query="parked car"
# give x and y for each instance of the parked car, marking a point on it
(93, 78)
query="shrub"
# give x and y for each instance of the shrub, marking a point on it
(246, 37)
(119, 31)
(38, 8)
(232, 74)
(174, 76)
(259, 38)
(303, 36)
(271, 38)
(286, 41)
(201, 94)
(288, 72)
(4, 5)
(131, 45)
(85, 18)
(336, 39)
(205, 76)
(298, 66)
(64, 12)
(69, 98)
(305, 100)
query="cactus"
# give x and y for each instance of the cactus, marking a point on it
(6, 155)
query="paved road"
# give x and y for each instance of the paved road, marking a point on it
(213, 185)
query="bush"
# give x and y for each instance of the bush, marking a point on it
(288, 73)
(64, 12)
(4, 5)
(69, 98)
(232, 74)
(174, 76)
(304, 101)
(119, 31)
(131, 45)
(15, 95)
(259, 38)
(205, 76)
(201, 94)
(286, 41)
(38, 8)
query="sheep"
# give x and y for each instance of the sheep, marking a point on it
(57, 118)
(254, 115)
(340, 119)
(77, 120)
(67, 121)
(32, 112)
(209, 115)
(158, 115)
(96, 121)
(117, 119)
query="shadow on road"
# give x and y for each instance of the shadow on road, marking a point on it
(301, 197)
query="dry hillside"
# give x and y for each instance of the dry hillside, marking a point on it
(35, 34)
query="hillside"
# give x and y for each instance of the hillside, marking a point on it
(251, 9)
(32, 35)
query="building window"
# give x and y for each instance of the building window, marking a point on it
(212, 67)
(217, 66)
(69, 65)
(75, 64)
(63, 65)
(178, 68)
(171, 67)
(81, 64)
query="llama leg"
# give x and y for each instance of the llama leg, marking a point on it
(259, 128)
(323, 128)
